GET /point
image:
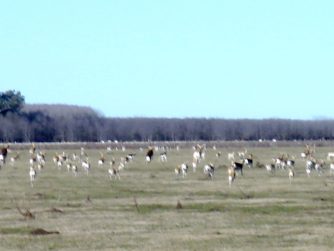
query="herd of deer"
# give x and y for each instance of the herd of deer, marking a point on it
(237, 162)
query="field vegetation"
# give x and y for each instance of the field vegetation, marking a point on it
(150, 208)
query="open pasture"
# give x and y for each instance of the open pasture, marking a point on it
(150, 208)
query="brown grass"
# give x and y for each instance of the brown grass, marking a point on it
(151, 209)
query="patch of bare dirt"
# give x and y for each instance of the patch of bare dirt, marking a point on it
(41, 231)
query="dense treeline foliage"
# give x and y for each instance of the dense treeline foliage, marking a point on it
(11, 101)
(56, 123)
(215, 129)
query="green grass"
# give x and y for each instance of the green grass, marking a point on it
(260, 211)
(15, 230)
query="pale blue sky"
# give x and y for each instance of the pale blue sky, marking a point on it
(175, 58)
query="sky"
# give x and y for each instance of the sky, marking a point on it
(252, 59)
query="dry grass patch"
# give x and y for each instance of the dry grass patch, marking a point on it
(151, 209)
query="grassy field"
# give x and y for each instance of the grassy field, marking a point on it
(260, 211)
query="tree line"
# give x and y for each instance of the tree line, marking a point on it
(22, 122)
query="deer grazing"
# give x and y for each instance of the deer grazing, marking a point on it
(308, 152)
(181, 170)
(149, 155)
(331, 169)
(270, 167)
(330, 156)
(238, 166)
(114, 173)
(291, 175)
(101, 160)
(86, 165)
(231, 156)
(32, 175)
(209, 170)
(14, 158)
(231, 175)
(3, 153)
(163, 157)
